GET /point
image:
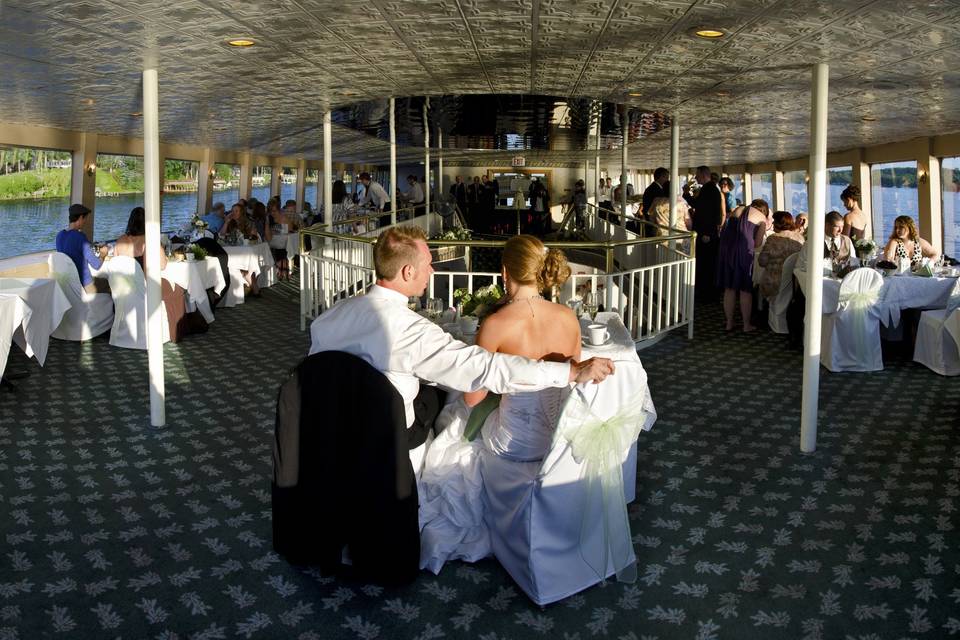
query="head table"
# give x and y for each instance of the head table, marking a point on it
(47, 304)
(903, 291)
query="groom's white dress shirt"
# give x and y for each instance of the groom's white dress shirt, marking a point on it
(407, 348)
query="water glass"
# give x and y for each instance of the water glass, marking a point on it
(590, 304)
(413, 303)
(435, 308)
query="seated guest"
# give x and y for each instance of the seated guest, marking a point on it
(837, 247)
(133, 244)
(785, 241)
(800, 222)
(261, 220)
(239, 222)
(905, 243)
(215, 218)
(74, 243)
(407, 348)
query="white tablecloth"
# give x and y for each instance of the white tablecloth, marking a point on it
(14, 312)
(255, 258)
(287, 241)
(196, 277)
(898, 292)
(620, 345)
(47, 304)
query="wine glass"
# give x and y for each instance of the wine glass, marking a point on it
(413, 303)
(434, 308)
(590, 304)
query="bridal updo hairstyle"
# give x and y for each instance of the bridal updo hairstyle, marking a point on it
(527, 262)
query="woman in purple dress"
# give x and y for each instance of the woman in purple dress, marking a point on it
(743, 232)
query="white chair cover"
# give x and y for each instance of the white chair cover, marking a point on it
(29, 265)
(234, 294)
(850, 340)
(90, 314)
(129, 290)
(777, 318)
(937, 347)
(559, 526)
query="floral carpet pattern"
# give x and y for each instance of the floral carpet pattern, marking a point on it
(111, 529)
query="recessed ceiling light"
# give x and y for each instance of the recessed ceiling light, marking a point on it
(87, 101)
(868, 118)
(709, 33)
(136, 114)
(241, 42)
(635, 94)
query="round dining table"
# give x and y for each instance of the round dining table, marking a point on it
(47, 304)
(255, 258)
(195, 277)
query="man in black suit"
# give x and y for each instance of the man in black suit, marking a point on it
(707, 215)
(657, 189)
(458, 191)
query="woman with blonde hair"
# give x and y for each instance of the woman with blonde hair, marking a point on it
(905, 243)
(520, 428)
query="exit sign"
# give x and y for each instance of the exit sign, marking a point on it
(518, 161)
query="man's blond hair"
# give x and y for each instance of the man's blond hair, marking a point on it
(394, 248)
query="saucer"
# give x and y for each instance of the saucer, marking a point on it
(585, 342)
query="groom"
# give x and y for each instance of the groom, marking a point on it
(407, 348)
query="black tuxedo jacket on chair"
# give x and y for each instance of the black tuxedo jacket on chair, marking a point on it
(342, 472)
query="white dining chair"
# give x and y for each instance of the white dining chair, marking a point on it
(938, 337)
(850, 337)
(546, 520)
(90, 314)
(129, 291)
(777, 318)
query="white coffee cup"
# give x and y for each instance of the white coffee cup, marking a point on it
(597, 334)
(468, 324)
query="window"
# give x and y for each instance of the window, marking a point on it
(795, 191)
(737, 179)
(261, 178)
(950, 181)
(762, 187)
(838, 179)
(311, 192)
(893, 187)
(178, 202)
(226, 184)
(288, 184)
(34, 198)
(119, 190)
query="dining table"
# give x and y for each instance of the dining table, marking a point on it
(195, 277)
(255, 258)
(899, 291)
(47, 304)
(14, 312)
(289, 242)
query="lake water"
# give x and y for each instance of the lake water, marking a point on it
(32, 225)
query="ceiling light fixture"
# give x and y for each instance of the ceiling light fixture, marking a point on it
(868, 118)
(241, 42)
(87, 102)
(709, 33)
(635, 94)
(137, 114)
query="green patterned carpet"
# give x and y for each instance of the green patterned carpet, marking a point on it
(113, 530)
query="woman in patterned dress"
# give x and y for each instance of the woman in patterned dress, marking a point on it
(905, 242)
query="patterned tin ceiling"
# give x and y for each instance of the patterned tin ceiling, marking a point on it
(894, 68)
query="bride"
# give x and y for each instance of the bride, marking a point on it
(521, 429)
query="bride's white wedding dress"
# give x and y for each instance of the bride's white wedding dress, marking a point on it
(451, 484)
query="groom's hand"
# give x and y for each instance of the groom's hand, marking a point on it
(595, 369)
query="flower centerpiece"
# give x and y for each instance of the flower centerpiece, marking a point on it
(460, 233)
(480, 303)
(199, 253)
(866, 248)
(199, 225)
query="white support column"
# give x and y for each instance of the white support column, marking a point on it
(625, 126)
(205, 176)
(861, 179)
(930, 197)
(301, 183)
(778, 196)
(439, 193)
(393, 162)
(151, 197)
(817, 193)
(246, 176)
(327, 171)
(674, 169)
(83, 186)
(276, 170)
(747, 186)
(596, 173)
(426, 161)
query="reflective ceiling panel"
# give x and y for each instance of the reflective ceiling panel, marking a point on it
(502, 75)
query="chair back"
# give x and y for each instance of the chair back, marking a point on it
(64, 271)
(90, 314)
(550, 527)
(30, 265)
(129, 291)
(789, 265)
(953, 302)
(860, 289)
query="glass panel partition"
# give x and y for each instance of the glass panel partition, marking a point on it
(795, 191)
(950, 181)
(838, 179)
(262, 175)
(34, 198)
(762, 187)
(119, 190)
(893, 186)
(226, 184)
(311, 192)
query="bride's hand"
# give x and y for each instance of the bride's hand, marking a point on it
(595, 369)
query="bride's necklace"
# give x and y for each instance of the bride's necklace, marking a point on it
(528, 299)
